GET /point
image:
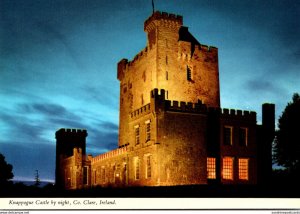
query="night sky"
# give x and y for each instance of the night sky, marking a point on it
(58, 65)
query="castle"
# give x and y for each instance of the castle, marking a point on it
(172, 130)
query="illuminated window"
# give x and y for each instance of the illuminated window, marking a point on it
(85, 175)
(188, 73)
(211, 168)
(243, 136)
(137, 168)
(137, 135)
(228, 168)
(148, 166)
(243, 168)
(148, 130)
(227, 135)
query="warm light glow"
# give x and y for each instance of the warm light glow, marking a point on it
(137, 135)
(211, 168)
(148, 131)
(117, 175)
(137, 168)
(243, 168)
(148, 167)
(228, 168)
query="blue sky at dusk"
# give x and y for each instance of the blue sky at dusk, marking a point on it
(58, 65)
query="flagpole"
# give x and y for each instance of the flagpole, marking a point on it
(152, 6)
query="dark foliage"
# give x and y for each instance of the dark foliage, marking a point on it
(5, 171)
(287, 142)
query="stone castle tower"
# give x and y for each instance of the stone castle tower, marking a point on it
(173, 60)
(172, 130)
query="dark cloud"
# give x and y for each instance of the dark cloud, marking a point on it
(26, 146)
(262, 85)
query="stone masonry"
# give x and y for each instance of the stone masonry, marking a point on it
(172, 130)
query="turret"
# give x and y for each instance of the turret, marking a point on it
(66, 141)
(164, 20)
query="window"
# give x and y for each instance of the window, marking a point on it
(228, 168)
(166, 60)
(103, 174)
(189, 73)
(85, 175)
(137, 168)
(71, 177)
(243, 136)
(137, 135)
(243, 168)
(167, 75)
(148, 166)
(148, 130)
(211, 168)
(227, 135)
(95, 177)
(142, 99)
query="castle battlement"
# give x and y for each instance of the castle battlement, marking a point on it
(158, 97)
(139, 56)
(66, 132)
(123, 64)
(238, 113)
(141, 111)
(177, 19)
(109, 154)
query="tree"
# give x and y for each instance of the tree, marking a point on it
(37, 178)
(287, 141)
(5, 170)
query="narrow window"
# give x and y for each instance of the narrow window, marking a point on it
(71, 177)
(243, 136)
(211, 168)
(103, 174)
(228, 168)
(85, 175)
(167, 94)
(148, 166)
(142, 99)
(243, 168)
(166, 60)
(148, 130)
(144, 76)
(189, 73)
(227, 135)
(137, 168)
(137, 135)
(167, 75)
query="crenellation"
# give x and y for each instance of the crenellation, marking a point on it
(170, 122)
(165, 16)
(110, 154)
(232, 111)
(238, 114)
(141, 111)
(64, 131)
